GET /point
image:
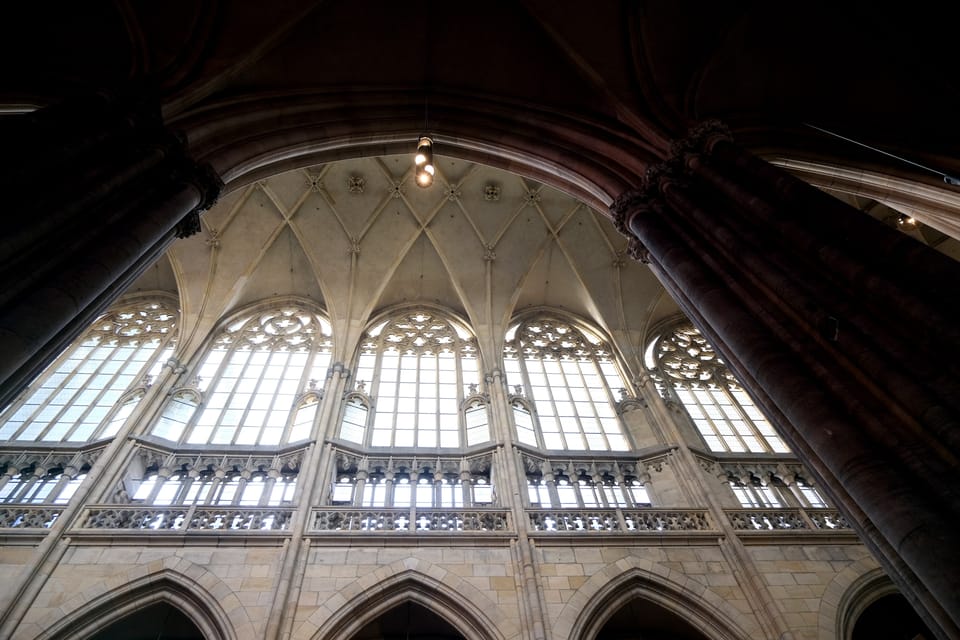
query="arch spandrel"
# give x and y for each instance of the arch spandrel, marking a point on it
(598, 599)
(180, 583)
(463, 606)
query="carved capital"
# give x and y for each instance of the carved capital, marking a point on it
(700, 139)
(626, 205)
(209, 184)
(637, 251)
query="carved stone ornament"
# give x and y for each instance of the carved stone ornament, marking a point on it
(637, 251)
(355, 184)
(209, 184)
(700, 139)
(135, 323)
(491, 192)
(628, 204)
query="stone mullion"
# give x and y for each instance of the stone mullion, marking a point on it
(466, 485)
(361, 482)
(187, 481)
(550, 480)
(8, 475)
(437, 488)
(599, 489)
(28, 485)
(163, 474)
(214, 490)
(388, 477)
(242, 479)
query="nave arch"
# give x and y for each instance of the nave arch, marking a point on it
(202, 597)
(474, 615)
(614, 586)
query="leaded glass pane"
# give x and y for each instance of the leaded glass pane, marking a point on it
(570, 379)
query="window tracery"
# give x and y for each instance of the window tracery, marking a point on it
(76, 398)
(257, 382)
(686, 368)
(420, 367)
(570, 377)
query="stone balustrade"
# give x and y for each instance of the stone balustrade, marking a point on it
(619, 520)
(28, 517)
(423, 520)
(787, 519)
(192, 518)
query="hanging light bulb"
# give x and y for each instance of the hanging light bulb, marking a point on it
(423, 162)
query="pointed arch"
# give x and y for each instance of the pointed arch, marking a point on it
(848, 594)
(615, 585)
(251, 373)
(78, 397)
(459, 603)
(572, 375)
(421, 362)
(94, 609)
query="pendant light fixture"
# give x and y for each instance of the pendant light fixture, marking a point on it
(423, 162)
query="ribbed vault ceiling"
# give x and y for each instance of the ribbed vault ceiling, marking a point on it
(357, 236)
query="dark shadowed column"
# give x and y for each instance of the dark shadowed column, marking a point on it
(99, 188)
(845, 331)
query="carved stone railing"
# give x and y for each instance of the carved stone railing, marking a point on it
(787, 519)
(828, 519)
(424, 520)
(193, 518)
(28, 517)
(627, 521)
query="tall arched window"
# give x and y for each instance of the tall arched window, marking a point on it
(571, 378)
(256, 382)
(686, 367)
(76, 398)
(419, 365)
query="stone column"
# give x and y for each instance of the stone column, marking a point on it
(99, 188)
(844, 331)
(388, 476)
(362, 474)
(466, 483)
(268, 484)
(437, 487)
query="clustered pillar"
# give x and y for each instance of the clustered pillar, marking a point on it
(845, 331)
(97, 188)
